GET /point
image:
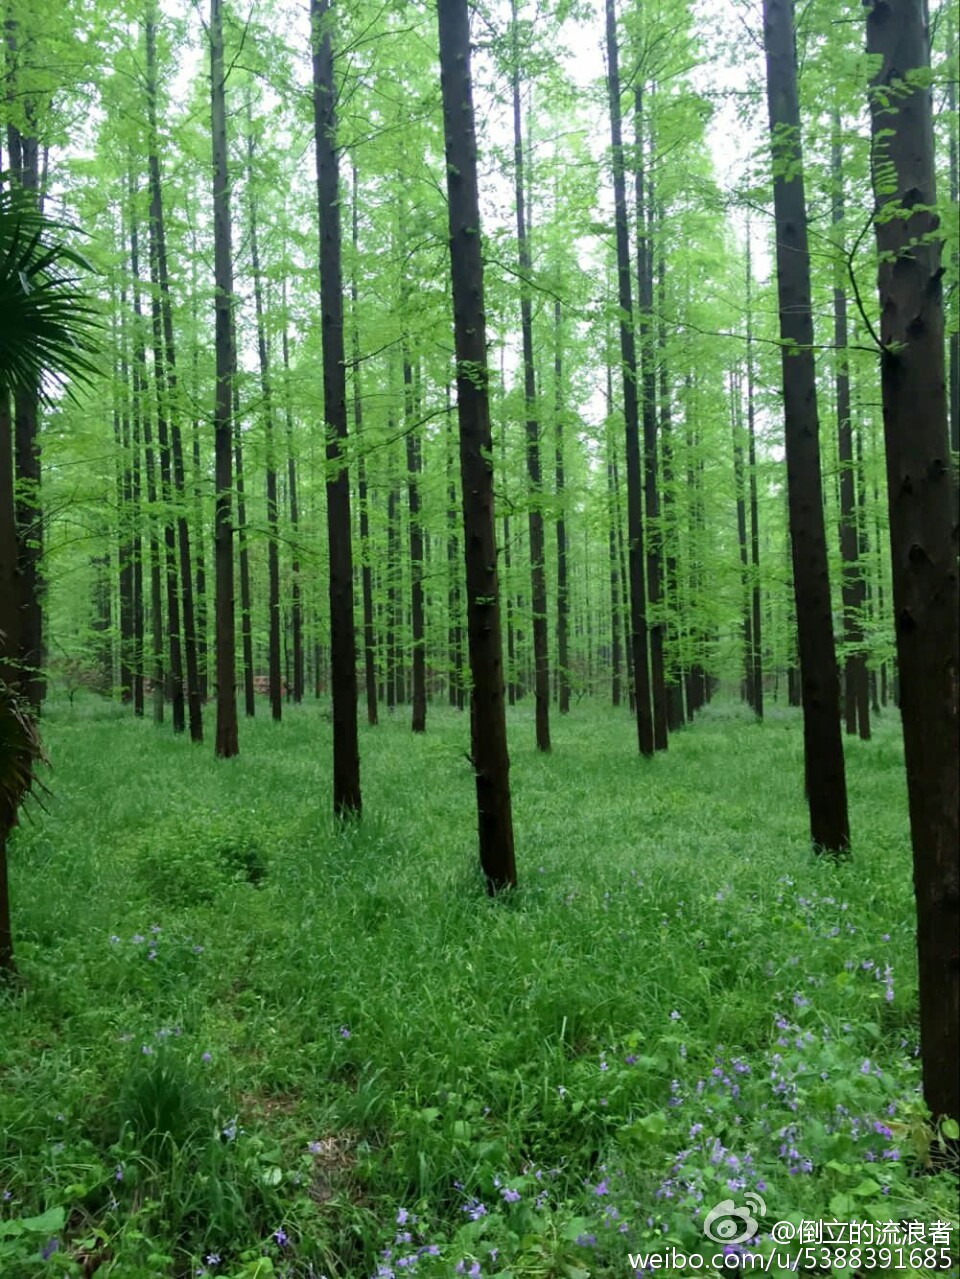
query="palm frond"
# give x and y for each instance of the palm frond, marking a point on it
(47, 323)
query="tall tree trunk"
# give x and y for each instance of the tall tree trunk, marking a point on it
(243, 545)
(126, 520)
(651, 494)
(855, 667)
(613, 520)
(174, 634)
(228, 742)
(414, 467)
(628, 357)
(142, 407)
(393, 689)
(756, 614)
(454, 575)
(673, 673)
(168, 429)
(366, 566)
(563, 589)
(538, 575)
(820, 684)
(274, 661)
(296, 601)
(491, 761)
(343, 657)
(923, 504)
(741, 501)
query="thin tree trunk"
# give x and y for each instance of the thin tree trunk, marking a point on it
(296, 601)
(757, 620)
(673, 673)
(491, 761)
(343, 657)
(563, 590)
(141, 400)
(651, 495)
(414, 467)
(274, 662)
(393, 589)
(228, 742)
(820, 684)
(366, 566)
(538, 576)
(126, 523)
(613, 520)
(628, 356)
(854, 663)
(243, 546)
(168, 429)
(923, 504)
(741, 502)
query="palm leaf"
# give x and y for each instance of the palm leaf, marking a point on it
(47, 323)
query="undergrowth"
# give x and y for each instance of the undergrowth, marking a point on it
(249, 1042)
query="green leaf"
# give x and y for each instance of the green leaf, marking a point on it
(47, 1223)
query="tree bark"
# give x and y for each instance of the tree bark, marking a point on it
(142, 409)
(343, 670)
(922, 501)
(538, 576)
(756, 613)
(653, 536)
(563, 589)
(491, 761)
(414, 467)
(228, 742)
(855, 665)
(274, 666)
(366, 566)
(296, 600)
(168, 430)
(820, 684)
(628, 357)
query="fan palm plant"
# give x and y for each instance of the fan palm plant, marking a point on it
(47, 335)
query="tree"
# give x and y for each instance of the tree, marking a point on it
(922, 501)
(823, 743)
(491, 761)
(228, 743)
(538, 575)
(343, 657)
(628, 356)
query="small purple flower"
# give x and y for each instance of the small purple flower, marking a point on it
(118, 1175)
(207, 1057)
(602, 1189)
(510, 1196)
(212, 1258)
(344, 1032)
(675, 1016)
(138, 938)
(281, 1237)
(402, 1214)
(52, 1247)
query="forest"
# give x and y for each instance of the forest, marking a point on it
(479, 740)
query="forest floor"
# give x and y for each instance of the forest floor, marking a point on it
(248, 1043)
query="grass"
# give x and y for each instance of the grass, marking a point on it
(252, 1043)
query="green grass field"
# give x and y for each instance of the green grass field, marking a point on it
(248, 1043)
